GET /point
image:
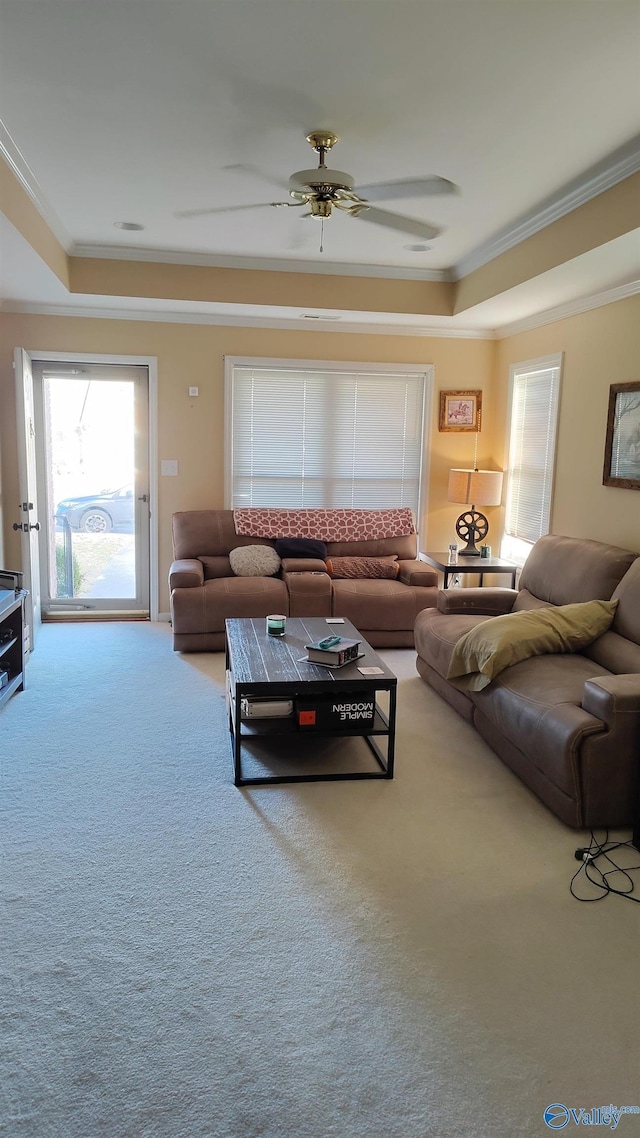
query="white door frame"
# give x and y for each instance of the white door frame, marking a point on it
(29, 523)
(151, 363)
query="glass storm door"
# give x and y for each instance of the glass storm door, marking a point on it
(94, 479)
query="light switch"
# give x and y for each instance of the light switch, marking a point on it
(169, 466)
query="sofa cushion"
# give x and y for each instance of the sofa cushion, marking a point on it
(404, 548)
(498, 643)
(536, 706)
(204, 610)
(565, 570)
(300, 547)
(216, 567)
(254, 561)
(619, 649)
(384, 606)
(358, 568)
(436, 635)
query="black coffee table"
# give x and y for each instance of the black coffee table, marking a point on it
(268, 667)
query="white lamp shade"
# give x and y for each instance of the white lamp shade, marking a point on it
(475, 487)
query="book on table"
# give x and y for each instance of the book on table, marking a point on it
(333, 651)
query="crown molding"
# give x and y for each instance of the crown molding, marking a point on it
(21, 170)
(275, 324)
(264, 264)
(571, 308)
(500, 332)
(620, 165)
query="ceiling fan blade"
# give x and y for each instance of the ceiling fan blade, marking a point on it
(256, 172)
(395, 221)
(407, 188)
(226, 209)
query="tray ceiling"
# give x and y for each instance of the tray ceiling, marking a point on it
(137, 112)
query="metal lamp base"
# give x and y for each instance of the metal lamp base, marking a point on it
(471, 526)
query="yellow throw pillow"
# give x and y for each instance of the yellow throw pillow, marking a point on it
(487, 649)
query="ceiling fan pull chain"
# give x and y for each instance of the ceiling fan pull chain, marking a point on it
(322, 235)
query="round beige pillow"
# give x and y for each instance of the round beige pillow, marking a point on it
(254, 561)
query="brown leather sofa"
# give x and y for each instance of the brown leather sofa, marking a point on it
(567, 724)
(204, 590)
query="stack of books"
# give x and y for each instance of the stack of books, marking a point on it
(334, 651)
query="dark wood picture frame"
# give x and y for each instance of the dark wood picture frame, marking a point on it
(622, 445)
(460, 410)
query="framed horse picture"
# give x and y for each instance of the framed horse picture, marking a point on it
(460, 410)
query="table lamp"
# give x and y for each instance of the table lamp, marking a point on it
(476, 488)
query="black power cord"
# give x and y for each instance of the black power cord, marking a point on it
(598, 877)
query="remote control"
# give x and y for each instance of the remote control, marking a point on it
(328, 642)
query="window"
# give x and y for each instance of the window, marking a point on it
(535, 399)
(319, 434)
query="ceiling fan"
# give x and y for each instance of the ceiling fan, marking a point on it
(323, 190)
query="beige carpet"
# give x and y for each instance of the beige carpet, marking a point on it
(183, 959)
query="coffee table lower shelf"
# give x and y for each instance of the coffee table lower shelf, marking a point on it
(243, 731)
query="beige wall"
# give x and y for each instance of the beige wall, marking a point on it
(600, 347)
(191, 431)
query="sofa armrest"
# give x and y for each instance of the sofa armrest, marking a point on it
(479, 601)
(303, 565)
(615, 698)
(309, 593)
(414, 573)
(186, 573)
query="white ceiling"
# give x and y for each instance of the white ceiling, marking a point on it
(135, 111)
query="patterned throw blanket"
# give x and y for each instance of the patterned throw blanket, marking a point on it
(324, 524)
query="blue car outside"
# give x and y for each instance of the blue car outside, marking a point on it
(98, 513)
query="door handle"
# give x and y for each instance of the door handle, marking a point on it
(27, 526)
(143, 498)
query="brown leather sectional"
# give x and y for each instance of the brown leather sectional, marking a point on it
(204, 590)
(568, 725)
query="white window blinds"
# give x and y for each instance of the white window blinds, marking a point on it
(535, 396)
(315, 437)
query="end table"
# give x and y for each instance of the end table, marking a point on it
(480, 565)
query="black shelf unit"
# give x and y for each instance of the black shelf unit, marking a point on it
(12, 646)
